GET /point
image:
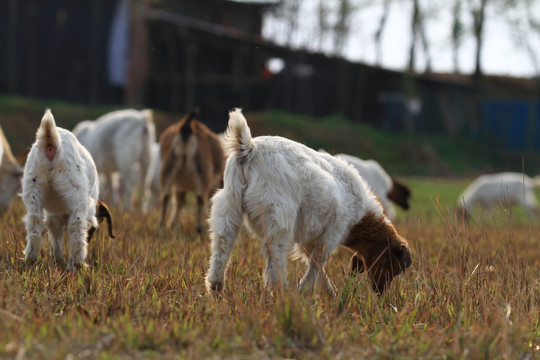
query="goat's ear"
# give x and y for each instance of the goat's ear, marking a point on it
(192, 115)
(102, 212)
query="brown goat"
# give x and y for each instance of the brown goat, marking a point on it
(192, 160)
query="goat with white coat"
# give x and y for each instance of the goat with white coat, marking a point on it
(387, 189)
(118, 141)
(10, 174)
(61, 182)
(296, 200)
(506, 189)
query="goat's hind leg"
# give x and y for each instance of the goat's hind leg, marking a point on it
(175, 214)
(276, 246)
(56, 226)
(77, 225)
(202, 209)
(33, 221)
(225, 222)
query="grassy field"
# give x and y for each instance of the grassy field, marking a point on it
(472, 292)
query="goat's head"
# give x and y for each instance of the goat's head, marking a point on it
(462, 214)
(102, 212)
(400, 194)
(378, 249)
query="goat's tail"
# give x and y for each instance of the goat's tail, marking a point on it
(238, 138)
(47, 136)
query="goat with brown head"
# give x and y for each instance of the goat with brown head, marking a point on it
(379, 250)
(192, 160)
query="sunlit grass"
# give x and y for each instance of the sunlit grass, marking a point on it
(472, 292)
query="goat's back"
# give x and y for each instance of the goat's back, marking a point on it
(120, 139)
(491, 189)
(207, 156)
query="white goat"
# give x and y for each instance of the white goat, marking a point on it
(60, 180)
(294, 198)
(386, 188)
(119, 141)
(10, 174)
(504, 189)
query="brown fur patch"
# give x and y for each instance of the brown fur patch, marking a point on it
(379, 249)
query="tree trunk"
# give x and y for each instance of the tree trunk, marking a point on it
(478, 17)
(379, 32)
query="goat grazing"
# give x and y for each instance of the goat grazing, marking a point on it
(191, 160)
(118, 141)
(10, 174)
(61, 181)
(295, 199)
(505, 189)
(386, 188)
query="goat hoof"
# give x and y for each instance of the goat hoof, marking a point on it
(77, 266)
(30, 260)
(214, 288)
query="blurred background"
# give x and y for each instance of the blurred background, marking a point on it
(467, 69)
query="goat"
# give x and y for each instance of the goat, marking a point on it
(506, 189)
(10, 174)
(387, 188)
(118, 141)
(191, 160)
(61, 182)
(297, 200)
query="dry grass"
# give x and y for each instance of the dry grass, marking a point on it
(472, 292)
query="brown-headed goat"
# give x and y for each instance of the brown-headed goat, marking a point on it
(191, 160)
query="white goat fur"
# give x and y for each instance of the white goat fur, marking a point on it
(10, 174)
(119, 141)
(292, 198)
(63, 185)
(506, 189)
(154, 172)
(376, 178)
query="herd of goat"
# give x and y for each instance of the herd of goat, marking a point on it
(295, 200)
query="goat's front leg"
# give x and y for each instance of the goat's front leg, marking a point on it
(56, 225)
(126, 178)
(33, 221)
(77, 225)
(315, 273)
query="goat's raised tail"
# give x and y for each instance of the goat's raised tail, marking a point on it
(238, 136)
(47, 135)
